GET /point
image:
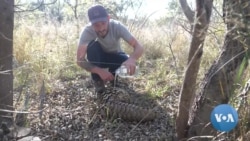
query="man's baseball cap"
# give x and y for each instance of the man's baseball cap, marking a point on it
(97, 13)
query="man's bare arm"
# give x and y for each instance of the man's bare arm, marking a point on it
(81, 60)
(135, 55)
(138, 49)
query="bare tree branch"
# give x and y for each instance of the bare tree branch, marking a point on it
(216, 10)
(73, 7)
(187, 10)
(33, 9)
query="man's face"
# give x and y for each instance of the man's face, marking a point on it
(101, 28)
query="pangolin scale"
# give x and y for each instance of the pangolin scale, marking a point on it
(112, 107)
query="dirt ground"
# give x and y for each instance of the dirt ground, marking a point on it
(70, 113)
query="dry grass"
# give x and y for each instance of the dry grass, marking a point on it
(46, 53)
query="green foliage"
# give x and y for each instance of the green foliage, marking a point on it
(159, 77)
(241, 69)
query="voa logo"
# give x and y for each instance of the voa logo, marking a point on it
(224, 117)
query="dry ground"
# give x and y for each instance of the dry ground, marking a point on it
(70, 113)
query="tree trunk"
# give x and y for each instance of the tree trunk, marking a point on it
(6, 49)
(218, 84)
(200, 27)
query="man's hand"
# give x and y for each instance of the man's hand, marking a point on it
(104, 74)
(130, 64)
